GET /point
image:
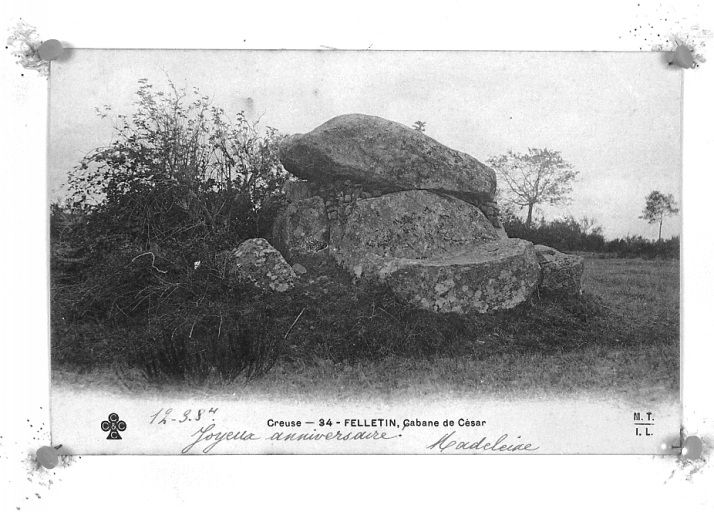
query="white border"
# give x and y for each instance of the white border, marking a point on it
(126, 483)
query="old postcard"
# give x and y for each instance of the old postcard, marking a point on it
(364, 252)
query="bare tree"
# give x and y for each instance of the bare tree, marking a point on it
(536, 177)
(657, 207)
(588, 223)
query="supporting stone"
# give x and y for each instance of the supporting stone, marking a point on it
(560, 273)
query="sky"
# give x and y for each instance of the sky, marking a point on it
(616, 117)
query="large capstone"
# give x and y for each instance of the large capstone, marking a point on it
(256, 261)
(385, 155)
(560, 273)
(488, 277)
(391, 203)
(414, 224)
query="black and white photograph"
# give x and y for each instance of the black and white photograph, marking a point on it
(403, 229)
(397, 241)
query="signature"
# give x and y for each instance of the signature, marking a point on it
(447, 443)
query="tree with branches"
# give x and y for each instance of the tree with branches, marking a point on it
(536, 177)
(657, 207)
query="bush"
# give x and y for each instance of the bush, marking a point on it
(570, 235)
(179, 176)
(565, 235)
(192, 345)
(198, 348)
(232, 334)
(179, 183)
(137, 239)
(638, 247)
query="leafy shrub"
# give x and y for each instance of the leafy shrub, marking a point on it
(136, 240)
(179, 182)
(180, 176)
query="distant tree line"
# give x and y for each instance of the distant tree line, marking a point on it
(572, 235)
(542, 176)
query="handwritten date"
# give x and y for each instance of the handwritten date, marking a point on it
(164, 416)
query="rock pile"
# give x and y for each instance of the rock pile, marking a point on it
(257, 262)
(389, 202)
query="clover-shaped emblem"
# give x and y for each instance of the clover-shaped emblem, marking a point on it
(114, 426)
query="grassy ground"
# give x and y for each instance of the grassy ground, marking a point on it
(624, 342)
(620, 339)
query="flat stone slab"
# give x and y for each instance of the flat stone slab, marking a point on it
(488, 277)
(415, 224)
(385, 155)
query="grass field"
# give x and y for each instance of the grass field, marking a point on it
(340, 340)
(627, 347)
